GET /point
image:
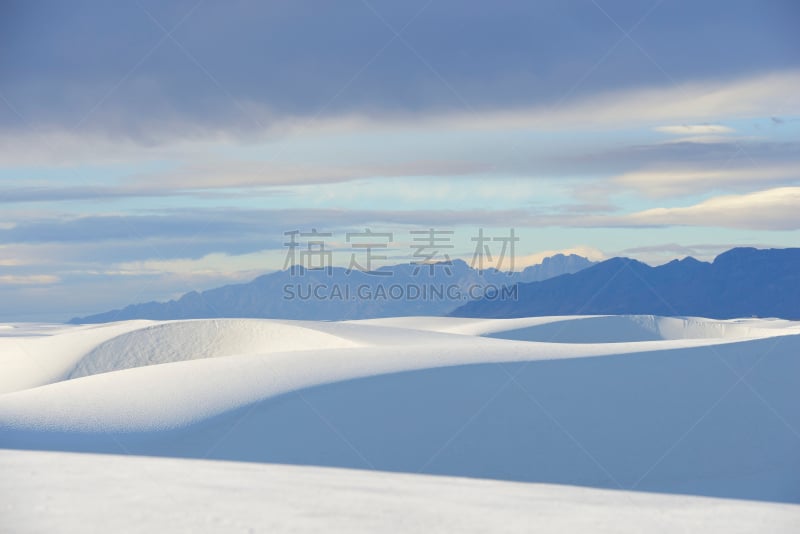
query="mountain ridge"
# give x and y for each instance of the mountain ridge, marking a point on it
(740, 282)
(266, 295)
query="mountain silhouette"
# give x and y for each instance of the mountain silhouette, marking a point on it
(339, 294)
(741, 282)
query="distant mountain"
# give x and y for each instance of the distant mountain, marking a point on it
(335, 294)
(741, 282)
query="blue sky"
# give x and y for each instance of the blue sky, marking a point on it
(148, 148)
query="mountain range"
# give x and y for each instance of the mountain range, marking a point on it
(741, 282)
(339, 294)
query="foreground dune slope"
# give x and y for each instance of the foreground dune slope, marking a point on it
(711, 410)
(96, 493)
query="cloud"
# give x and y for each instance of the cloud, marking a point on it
(694, 129)
(244, 64)
(230, 179)
(586, 251)
(675, 182)
(700, 133)
(238, 174)
(98, 228)
(260, 103)
(195, 233)
(232, 226)
(28, 280)
(771, 209)
(751, 97)
(210, 264)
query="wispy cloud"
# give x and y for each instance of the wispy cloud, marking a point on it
(200, 233)
(675, 182)
(232, 179)
(28, 280)
(694, 129)
(772, 209)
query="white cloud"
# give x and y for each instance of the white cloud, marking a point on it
(772, 209)
(699, 133)
(694, 129)
(586, 251)
(659, 183)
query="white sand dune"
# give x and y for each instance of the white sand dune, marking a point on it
(34, 355)
(65, 493)
(661, 404)
(190, 340)
(602, 328)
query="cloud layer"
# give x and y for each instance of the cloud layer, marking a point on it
(144, 69)
(150, 148)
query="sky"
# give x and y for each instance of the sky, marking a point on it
(150, 148)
